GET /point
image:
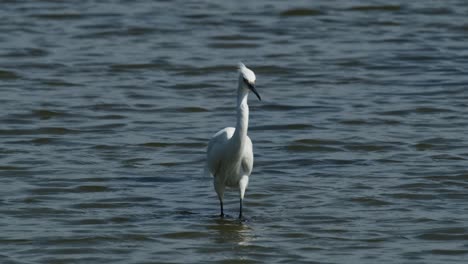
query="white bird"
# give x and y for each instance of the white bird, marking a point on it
(229, 156)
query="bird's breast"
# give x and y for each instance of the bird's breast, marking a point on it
(231, 172)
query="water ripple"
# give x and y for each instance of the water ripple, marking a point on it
(359, 142)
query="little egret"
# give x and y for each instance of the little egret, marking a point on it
(229, 156)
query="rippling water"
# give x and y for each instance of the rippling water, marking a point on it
(360, 142)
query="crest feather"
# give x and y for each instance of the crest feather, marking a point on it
(246, 73)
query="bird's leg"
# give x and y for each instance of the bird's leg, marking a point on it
(240, 209)
(219, 187)
(244, 181)
(221, 204)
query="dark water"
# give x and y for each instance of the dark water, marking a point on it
(361, 149)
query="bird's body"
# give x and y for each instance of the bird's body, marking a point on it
(230, 165)
(230, 155)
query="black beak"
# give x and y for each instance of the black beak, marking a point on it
(252, 88)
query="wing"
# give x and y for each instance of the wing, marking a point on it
(247, 158)
(215, 149)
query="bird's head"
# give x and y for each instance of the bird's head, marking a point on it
(247, 79)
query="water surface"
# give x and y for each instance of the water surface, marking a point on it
(360, 140)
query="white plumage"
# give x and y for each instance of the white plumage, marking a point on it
(229, 156)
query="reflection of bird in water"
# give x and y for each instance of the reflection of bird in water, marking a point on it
(232, 232)
(229, 155)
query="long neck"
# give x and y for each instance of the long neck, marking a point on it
(242, 116)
